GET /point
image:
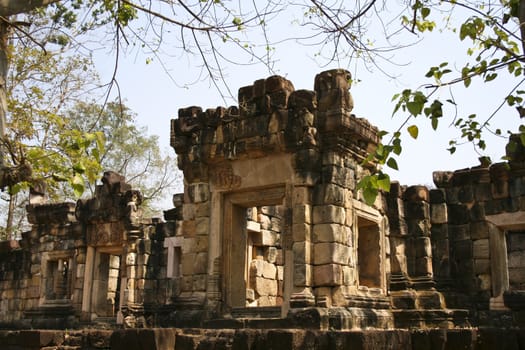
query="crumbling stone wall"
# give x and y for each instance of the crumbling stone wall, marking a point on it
(15, 278)
(478, 236)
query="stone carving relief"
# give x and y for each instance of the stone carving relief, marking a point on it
(223, 177)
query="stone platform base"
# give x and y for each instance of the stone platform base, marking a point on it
(270, 339)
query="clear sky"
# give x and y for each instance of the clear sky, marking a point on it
(149, 91)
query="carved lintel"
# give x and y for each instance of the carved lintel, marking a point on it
(223, 177)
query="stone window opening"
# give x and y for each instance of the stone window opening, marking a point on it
(516, 259)
(57, 279)
(507, 262)
(173, 265)
(369, 255)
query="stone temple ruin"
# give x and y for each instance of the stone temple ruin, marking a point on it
(271, 233)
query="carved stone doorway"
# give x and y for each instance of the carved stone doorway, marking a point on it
(251, 278)
(105, 282)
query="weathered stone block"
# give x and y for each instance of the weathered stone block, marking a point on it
(198, 192)
(279, 259)
(423, 266)
(349, 217)
(201, 244)
(264, 286)
(250, 294)
(481, 266)
(516, 259)
(188, 211)
(329, 214)
(326, 253)
(280, 273)
(458, 232)
(302, 214)
(301, 232)
(276, 224)
(418, 227)
(273, 210)
(461, 250)
(188, 228)
(302, 275)
(479, 230)
(187, 263)
(200, 263)
(329, 194)
(422, 247)
(269, 270)
(302, 252)
(278, 121)
(341, 176)
(477, 212)
(458, 214)
(482, 192)
(481, 249)
(484, 282)
(328, 275)
(256, 267)
(186, 283)
(188, 245)
(264, 221)
(202, 209)
(270, 254)
(466, 194)
(265, 238)
(331, 233)
(333, 158)
(417, 210)
(437, 196)
(416, 194)
(516, 186)
(202, 226)
(199, 282)
(438, 213)
(439, 232)
(302, 195)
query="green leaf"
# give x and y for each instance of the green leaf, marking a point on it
(413, 131)
(391, 163)
(370, 195)
(79, 168)
(414, 108)
(383, 182)
(78, 185)
(434, 122)
(491, 76)
(396, 146)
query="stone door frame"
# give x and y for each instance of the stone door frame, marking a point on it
(89, 289)
(500, 224)
(233, 215)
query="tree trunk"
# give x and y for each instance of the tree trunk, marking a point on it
(10, 216)
(522, 24)
(4, 37)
